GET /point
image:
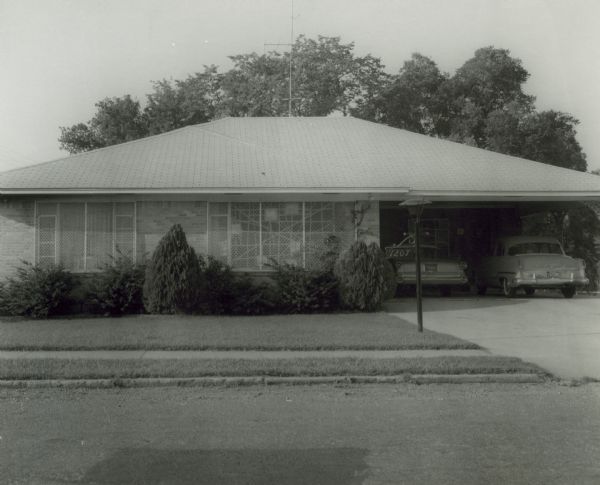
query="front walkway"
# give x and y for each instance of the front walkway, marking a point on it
(560, 335)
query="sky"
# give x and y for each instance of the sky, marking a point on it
(59, 57)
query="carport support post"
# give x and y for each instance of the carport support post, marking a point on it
(415, 208)
(418, 211)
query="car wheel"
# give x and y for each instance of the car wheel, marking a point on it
(568, 291)
(445, 291)
(508, 291)
(529, 291)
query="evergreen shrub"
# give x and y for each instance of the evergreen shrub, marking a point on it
(364, 277)
(37, 291)
(173, 278)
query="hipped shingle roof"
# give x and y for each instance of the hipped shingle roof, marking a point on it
(296, 155)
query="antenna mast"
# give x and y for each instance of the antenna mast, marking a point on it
(289, 99)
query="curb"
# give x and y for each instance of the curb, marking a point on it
(263, 380)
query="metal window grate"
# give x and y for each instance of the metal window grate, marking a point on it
(324, 220)
(282, 233)
(47, 239)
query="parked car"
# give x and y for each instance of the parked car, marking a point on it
(529, 263)
(442, 272)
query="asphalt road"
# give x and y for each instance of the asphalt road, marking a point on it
(463, 434)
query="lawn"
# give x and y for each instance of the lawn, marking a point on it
(174, 332)
(130, 368)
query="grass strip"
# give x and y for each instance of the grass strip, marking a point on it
(97, 369)
(352, 331)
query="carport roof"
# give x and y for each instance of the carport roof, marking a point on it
(339, 155)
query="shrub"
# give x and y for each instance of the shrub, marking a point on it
(253, 299)
(305, 291)
(37, 291)
(173, 276)
(218, 291)
(118, 290)
(361, 271)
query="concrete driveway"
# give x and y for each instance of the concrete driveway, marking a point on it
(560, 335)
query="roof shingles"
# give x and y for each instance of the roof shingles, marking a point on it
(295, 153)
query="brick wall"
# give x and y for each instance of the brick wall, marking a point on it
(17, 235)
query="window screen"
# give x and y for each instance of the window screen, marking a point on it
(99, 235)
(245, 235)
(84, 236)
(71, 235)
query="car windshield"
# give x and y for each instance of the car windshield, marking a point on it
(535, 248)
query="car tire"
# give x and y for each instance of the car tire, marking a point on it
(507, 291)
(529, 291)
(445, 290)
(568, 291)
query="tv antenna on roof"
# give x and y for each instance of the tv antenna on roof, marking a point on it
(289, 99)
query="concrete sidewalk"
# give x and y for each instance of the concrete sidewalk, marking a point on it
(237, 354)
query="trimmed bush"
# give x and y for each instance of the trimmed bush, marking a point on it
(173, 277)
(118, 290)
(37, 291)
(304, 291)
(363, 276)
(218, 291)
(250, 298)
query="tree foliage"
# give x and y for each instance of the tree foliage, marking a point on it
(327, 77)
(412, 100)
(116, 120)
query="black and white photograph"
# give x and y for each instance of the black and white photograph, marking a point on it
(276, 242)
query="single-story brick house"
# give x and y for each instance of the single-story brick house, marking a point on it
(248, 190)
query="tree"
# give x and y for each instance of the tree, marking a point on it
(78, 138)
(411, 101)
(326, 77)
(255, 86)
(547, 137)
(183, 102)
(489, 81)
(117, 120)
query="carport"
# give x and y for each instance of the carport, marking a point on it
(467, 230)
